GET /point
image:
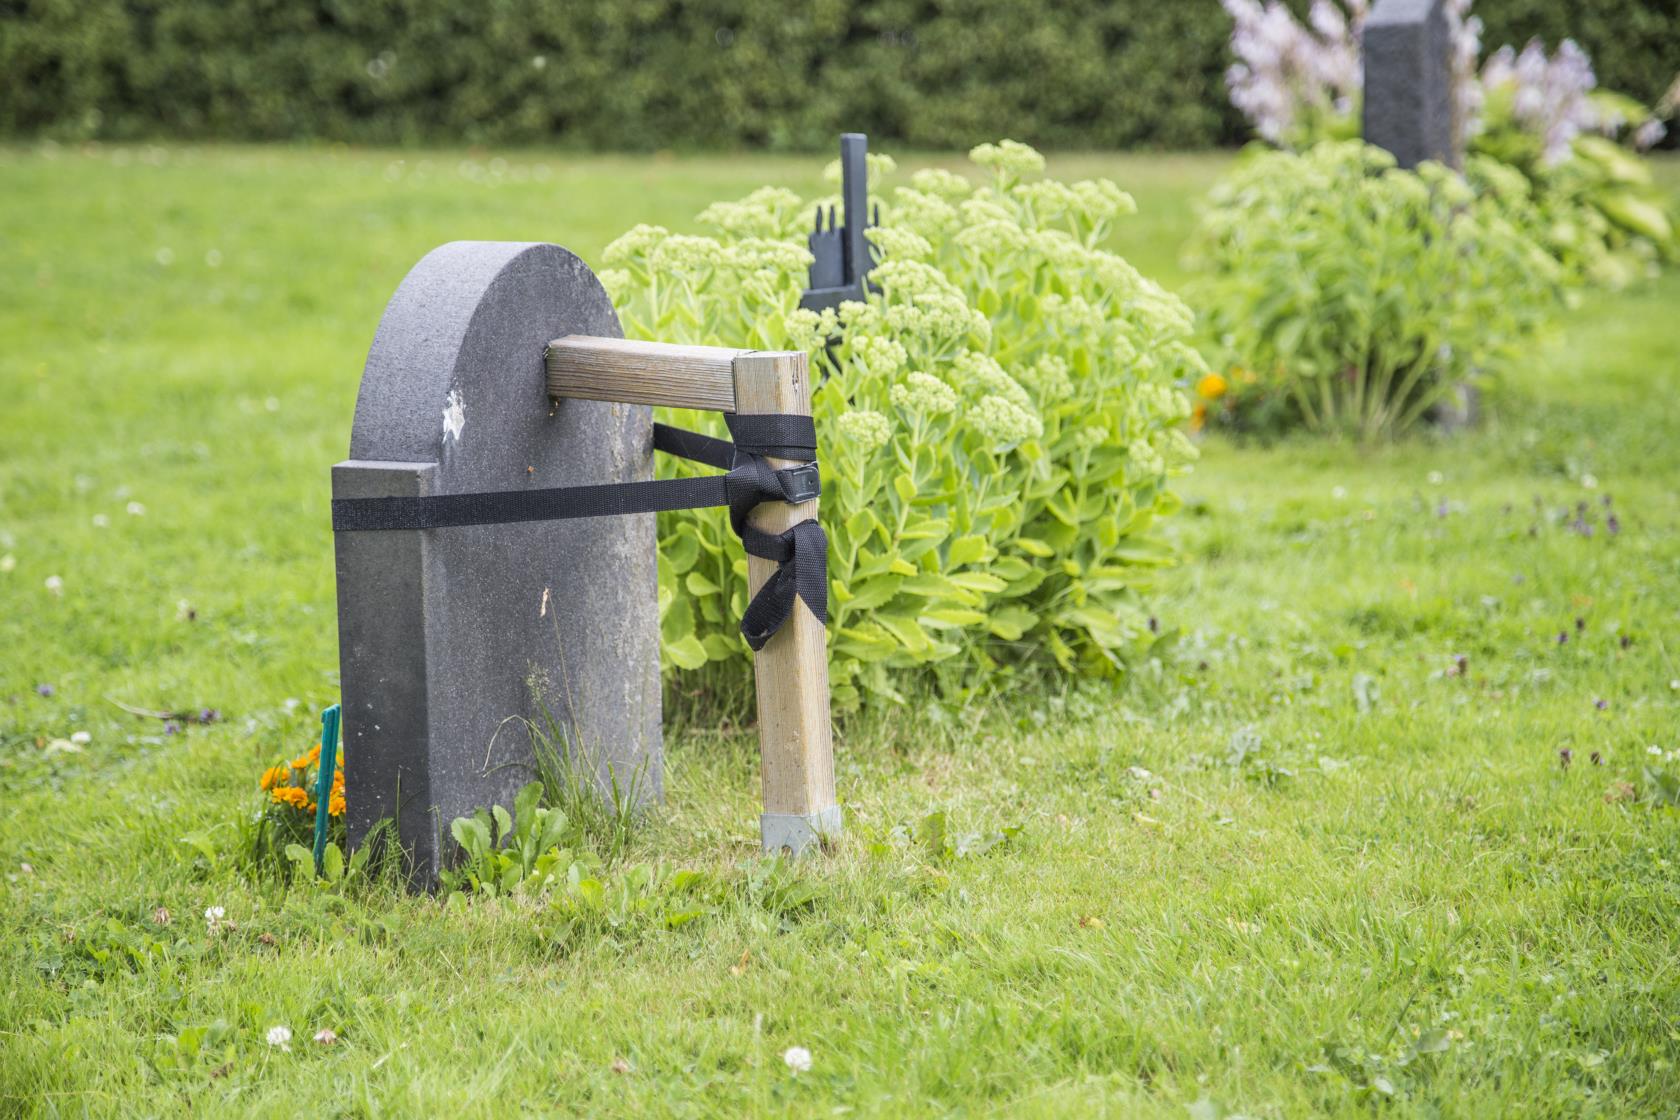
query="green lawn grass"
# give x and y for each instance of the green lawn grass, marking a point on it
(1301, 866)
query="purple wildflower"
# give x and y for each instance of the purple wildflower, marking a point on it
(1565, 757)
(45, 689)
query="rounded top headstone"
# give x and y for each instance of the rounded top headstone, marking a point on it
(455, 372)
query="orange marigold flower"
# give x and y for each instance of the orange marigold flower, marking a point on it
(1211, 387)
(335, 804)
(309, 759)
(274, 776)
(1198, 416)
(290, 795)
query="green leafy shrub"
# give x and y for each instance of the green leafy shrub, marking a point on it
(658, 73)
(1603, 216)
(1540, 113)
(1350, 295)
(998, 424)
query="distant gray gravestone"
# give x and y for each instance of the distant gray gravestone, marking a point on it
(444, 634)
(1408, 109)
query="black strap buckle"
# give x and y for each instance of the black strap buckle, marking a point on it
(802, 483)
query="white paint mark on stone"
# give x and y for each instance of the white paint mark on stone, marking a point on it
(542, 611)
(454, 416)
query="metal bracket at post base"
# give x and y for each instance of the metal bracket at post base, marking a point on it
(796, 833)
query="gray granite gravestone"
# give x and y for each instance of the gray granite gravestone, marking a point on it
(1408, 110)
(446, 635)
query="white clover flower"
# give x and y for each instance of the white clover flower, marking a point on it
(280, 1036)
(864, 429)
(215, 919)
(81, 738)
(1008, 156)
(798, 1059)
(639, 242)
(54, 585)
(923, 392)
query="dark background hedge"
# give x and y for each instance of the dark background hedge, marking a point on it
(639, 74)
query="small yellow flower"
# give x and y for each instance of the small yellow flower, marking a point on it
(1212, 387)
(274, 776)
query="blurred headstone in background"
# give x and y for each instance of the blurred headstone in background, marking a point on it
(1408, 81)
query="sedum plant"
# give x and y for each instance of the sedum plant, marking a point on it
(1542, 115)
(999, 423)
(1350, 295)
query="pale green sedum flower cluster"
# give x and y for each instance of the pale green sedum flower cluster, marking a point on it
(999, 422)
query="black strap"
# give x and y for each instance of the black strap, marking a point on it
(801, 551)
(777, 435)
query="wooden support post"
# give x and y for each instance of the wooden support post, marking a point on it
(795, 736)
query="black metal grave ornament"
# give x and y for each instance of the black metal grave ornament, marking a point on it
(843, 255)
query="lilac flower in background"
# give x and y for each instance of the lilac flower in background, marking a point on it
(1551, 97)
(1285, 72)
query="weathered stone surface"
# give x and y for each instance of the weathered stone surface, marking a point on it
(445, 634)
(1408, 81)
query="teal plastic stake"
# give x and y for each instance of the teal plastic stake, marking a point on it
(324, 780)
